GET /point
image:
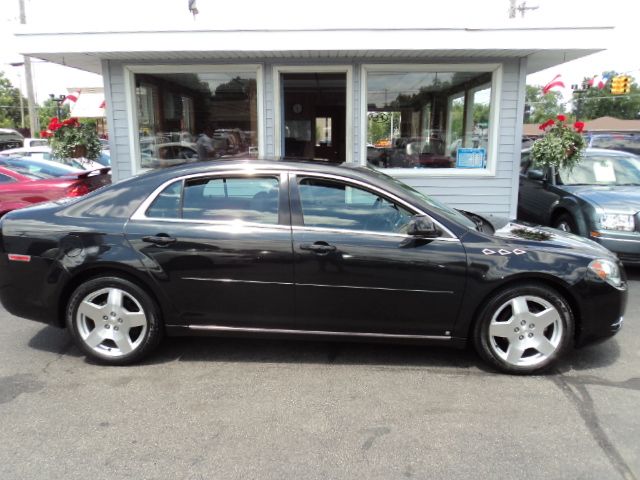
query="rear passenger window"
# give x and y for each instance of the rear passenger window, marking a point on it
(253, 199)
(6, 179)
(167, 204)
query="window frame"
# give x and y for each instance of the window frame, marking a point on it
(496, 70)
(297, 216)
(283, 200)
(131, 70)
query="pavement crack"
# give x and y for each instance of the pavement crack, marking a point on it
(63, 351)
(583, 403)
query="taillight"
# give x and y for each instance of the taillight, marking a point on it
(78, 189)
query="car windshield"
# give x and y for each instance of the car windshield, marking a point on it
(440, 208)
(42, 169)
(625, 142)
(603, 169)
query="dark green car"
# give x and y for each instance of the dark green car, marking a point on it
(598, 199)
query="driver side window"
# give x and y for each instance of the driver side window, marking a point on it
(333, 204)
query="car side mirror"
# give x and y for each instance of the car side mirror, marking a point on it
(535, 175)
(423, 226)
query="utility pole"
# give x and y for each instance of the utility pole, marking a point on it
(34, 121)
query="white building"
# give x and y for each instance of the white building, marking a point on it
(440, 109)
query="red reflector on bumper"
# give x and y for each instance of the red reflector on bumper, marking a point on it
(19, 258)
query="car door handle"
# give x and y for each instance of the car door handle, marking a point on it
(318, 247)
(160, 239)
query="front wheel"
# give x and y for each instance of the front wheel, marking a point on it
(113, 320)
(566, 223)
(524, 329)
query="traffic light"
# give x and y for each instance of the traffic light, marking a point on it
(620, 85)
(626, 84)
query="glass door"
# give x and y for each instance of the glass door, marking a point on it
(314, 115)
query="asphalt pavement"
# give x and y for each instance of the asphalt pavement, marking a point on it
(207, 408)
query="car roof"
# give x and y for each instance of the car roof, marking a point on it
(40, 149)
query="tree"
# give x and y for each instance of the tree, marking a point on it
(10, 115)
(49, 109)
(596, 103)
(542, 107)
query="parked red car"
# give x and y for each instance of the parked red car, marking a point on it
(24, 182)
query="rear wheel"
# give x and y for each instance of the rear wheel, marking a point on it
(113, 320)
(566, 223)
(524, 329)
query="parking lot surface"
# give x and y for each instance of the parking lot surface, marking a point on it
(238, 409)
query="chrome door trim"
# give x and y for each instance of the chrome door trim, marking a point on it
(140, 214)
(380, 191)
(220, 328)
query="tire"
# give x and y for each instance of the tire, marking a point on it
(524, 329)
(566, 223)
(113, 320)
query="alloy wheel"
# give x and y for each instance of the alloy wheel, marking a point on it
(525, 331)
(111, 322)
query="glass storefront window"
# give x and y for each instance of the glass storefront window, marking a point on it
(428, 119)
(188, 117)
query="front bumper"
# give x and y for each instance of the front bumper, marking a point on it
(626, 245)
(601, 310)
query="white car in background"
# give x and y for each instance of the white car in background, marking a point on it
(44, 153)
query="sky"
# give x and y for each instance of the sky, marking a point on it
(146, 14)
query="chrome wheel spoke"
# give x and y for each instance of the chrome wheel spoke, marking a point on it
(115, 299)
(546, 318)
(123, 342)
(544, 346)
(134, 319)
(502, 329)
(95, 338)
(519, 307)
(514, 353)
(91, 311)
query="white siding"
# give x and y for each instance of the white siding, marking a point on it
(490, 194)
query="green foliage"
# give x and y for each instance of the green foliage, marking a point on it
(49, 109)
(70, 137)
(542, 106)
(561, 146)
(596, 103)
(10, 104)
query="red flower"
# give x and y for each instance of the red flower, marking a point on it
(45, 134)
(579, 126)
(545, 125)
(71, 122)
(54, 124)
(562, 118)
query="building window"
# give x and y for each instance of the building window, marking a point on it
(428, 119)
(186, 116)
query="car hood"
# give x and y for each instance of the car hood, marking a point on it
(530, 235)
(614, 198)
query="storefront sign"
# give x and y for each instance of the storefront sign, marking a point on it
(471, 158)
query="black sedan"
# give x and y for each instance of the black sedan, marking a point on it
(598, 199)
(302, 249)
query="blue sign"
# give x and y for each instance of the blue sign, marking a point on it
(471, 158)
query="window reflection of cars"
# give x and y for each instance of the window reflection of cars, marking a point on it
(626, 142)
(598, 199)
(168, 154)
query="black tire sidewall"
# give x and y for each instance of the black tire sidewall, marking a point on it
(154, 327)
(481, 330)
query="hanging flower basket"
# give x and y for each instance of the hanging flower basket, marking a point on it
(562, 145)
(72, 139)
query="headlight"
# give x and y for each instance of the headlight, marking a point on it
(617, 221)
(607, 271)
